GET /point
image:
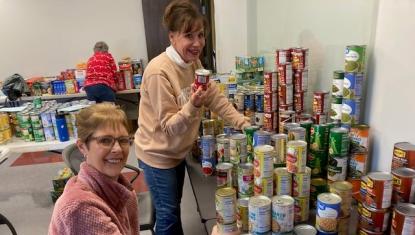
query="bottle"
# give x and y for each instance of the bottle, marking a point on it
(62, 128)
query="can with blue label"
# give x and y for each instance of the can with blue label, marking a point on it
(350, 111)
(259, 101)
(208, 154)
(328, 211)
(137, 78)
(261, 138)
(249, 101)
(352, 85)
(62, 128)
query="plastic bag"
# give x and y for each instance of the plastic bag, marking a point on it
(14, 87)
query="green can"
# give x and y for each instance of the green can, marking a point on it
(24, 120)
(319, 137)
(249, 132)
(39, 135)
(336, 108)
(35, 120)
(317, 186)
(37, 103)
(339, 141)
(354, 57)
(338, 80)
(307, 124)
(317, 161)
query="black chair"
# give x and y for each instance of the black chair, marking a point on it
(73, 159)
(4, 220)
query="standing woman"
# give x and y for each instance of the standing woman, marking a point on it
(100, 75)
(169, 113)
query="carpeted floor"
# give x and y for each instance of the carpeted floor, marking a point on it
(25, 184)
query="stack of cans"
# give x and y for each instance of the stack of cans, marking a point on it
(344, 190)
(320, 106)
(226, 206)
(337, 96)
(270, 101)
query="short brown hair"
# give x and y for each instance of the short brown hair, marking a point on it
(101, 47)
(183, 16)
(98, 116)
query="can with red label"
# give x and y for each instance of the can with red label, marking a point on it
(372, 219)
(379, 190)
(296, 156)
(270, 82)
(283, 107)
(304, 117)
(285, 73)
(285, 94)
(299, 101)
(300, 80)
(245, 180)
(403, 155)
(282, 56)
(270, 102)
(224, 175)
(120, 81)
(299, 58)
(270, 121)
(362, 231)
(403, 185)
(321, 102)
(202, 78)
(403, 219)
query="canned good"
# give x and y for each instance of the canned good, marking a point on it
(337, 168)
(35, 120)
(317, 161)
(283, 107)
(238, 148)
(243, 215)
(355, 188)
(403, 219)
(259, 101)
(299, 58)
(239, 101)
(223, 148)
(320, 118)
(353, 85)
(261, 138)
(285, 75)
(225, 199)
(379, 190)
(285, 94)
(372, 219)
(202, 77)
(304, 117)
(282, 181)
(359, 138)
(350, 111)
(362, 231)
(224, 175)
(289, 126)
(343, 225)
(39, 135)
(259, 119)
(319, 137)
(363, 187)
(403, 185)
(321, 102)
(245, 180)
(328, 211)
(264, 186)
(297, 133)
(317, 186)
(299, 101)
(336, 108)
(354, 57)
(249, 100)
(358, 165)
(338, 79)
(270, 102)
(263, 161)
(339, 141)
(270, 82)
(259, 209)
(403, 155)
(301, 209)
(305, 229)
(49, 133)
(285, 117)
(296, 156)
(300, 80)
(301, 183)
(282, 56)
(282, 214)
(208, 154)
(344, 190)
(208, 127)
(279, 142)
(306, 124)
(270, 121)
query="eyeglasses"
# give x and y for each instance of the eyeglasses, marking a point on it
(109, 141)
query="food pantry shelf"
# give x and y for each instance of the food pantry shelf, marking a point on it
(66, 96)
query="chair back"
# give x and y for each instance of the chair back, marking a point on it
(4, 220)
(73, 157)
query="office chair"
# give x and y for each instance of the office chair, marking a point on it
(4, 220)
(73, 159)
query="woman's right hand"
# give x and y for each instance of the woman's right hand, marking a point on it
(198, 96)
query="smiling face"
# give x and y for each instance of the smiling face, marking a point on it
(189, 45)
(104, 158)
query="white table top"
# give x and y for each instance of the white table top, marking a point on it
(82, 94)
(16, 145)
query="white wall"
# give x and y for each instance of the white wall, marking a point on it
(391, 103)
(231, 32)
(44, 37)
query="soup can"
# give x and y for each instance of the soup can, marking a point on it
(285, 93)
(202, 77)
(328, 211)
(263, 161)
(403, 185)
(285, 75)
(403, 219)
(282, 181)
(245, 180)
(403, 155)
(300, 80)
(282, 214)
(225, 199)
(224, 175)
(379, 190)
(282, 56)
(259, 209)
(372, 219)
(321, 102)
(270, 82)
(338, 79)
(279, 142)
(296, 156)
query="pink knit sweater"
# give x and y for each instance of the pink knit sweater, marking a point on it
(92, 203)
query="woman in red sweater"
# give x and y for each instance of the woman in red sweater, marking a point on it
(99, 200)
(100, 75)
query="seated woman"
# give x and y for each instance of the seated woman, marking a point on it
(99, 200)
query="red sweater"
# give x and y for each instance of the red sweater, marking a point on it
(92, 203)
(101, 69)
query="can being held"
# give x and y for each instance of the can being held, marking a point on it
(225, 199)
(358, 165)
(359, 138)
(338, 79)
(224, 175)
(372, 219)
(328, 211)
(279, 142)
(379, 190)
(296, 156)
(202, 77)
(321, 102)
(403, 155)
(403, 185)
(403, 219)
(282, 181)
(243, 215)
(282, 214)
(259, 209)
(337, 168)
(245, 180)
(353, 84)
(301, 183)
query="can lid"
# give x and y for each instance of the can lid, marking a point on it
(246, 165)
(262, 133)
(380, 176)
(404, 172)
(281, 171)
(264, 148)
(360, 126)
(203, 72)
(405, 146)
(225, 192)
(283, 200)
(259, 201)
(407, 209)
(296, 143)
(206, 137)
(279, 136)
(342, 186)
(224, 166)
(238, 136)
(318, 182)
(329, 198)
(305, 229)
(339, 130)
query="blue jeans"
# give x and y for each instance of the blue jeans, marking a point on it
(100, 93)
(166, 188)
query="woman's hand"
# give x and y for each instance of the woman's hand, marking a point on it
(198, 96)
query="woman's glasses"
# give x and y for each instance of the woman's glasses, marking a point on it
(108, 141)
